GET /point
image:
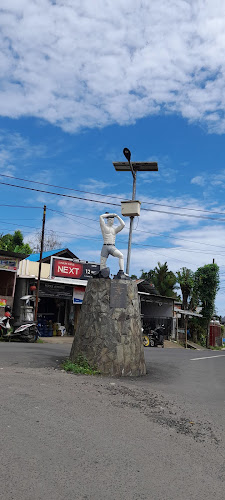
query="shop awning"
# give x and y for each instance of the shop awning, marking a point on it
(187, 312)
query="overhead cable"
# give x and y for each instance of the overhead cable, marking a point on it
(107, 203)
(110, 196)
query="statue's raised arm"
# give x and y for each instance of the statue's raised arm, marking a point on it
(122, 224)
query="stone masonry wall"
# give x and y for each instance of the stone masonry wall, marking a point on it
(109, 337)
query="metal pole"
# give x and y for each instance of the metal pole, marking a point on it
(186, 320)
(131, 219)
(40, 262)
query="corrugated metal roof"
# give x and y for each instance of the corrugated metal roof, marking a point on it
(35, 257)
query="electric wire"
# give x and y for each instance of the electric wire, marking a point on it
(112, 204)
(141, 230)
(110, 196)
(122, 241)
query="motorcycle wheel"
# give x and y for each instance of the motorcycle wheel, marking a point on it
(31, 339)
(145, 340)
(152, 343)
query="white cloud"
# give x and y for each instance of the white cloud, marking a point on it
(17, 150)
(79, 63)
(199, 180)
(93, 185)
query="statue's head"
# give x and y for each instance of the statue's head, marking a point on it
(110, 221)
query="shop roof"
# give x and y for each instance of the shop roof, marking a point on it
(187, 312)
(147, 288)
(16, 255)
(46, 256)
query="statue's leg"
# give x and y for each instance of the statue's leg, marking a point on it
(104, 257)
(103, 262)
(119, 255)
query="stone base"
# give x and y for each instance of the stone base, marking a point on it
(108, 336)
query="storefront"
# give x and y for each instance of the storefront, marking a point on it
(55, 310)
(156, 310)
(9, 263)
(61, 293)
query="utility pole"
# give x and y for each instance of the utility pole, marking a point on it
(127, 155)
(186, 323)
(133, 167)
(40, 262)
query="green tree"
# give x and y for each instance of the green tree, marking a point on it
(14, 243)
(185, 278)
(205, 288)
(163, 280)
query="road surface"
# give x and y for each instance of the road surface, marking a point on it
(159, 437)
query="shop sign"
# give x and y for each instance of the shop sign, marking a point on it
(8, 264)
(56, 290)
(68, 268)
(2, 302)
(78, 294)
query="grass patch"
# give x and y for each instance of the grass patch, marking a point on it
(215, 348)
(81, 366)
(39, 341)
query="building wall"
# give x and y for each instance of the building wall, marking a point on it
(22, 286)
(160, 308)
(29, 268)
(7, 285)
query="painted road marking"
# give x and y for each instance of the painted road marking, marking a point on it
(208, 357)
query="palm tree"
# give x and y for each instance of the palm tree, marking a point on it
(185, 278)
(164, 280)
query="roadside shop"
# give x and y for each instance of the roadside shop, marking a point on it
(156, 310)
(62, 287)
(9, 263)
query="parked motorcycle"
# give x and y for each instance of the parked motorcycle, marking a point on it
(158, 336)
(24, 333)
(153, 338)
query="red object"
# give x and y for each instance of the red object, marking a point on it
(7, 315)
(214, 334)
(65, 269)
(33, 288)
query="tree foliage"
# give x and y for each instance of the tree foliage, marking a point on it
(14, 243)
(185, 278)
(163, 280)
(206, 287)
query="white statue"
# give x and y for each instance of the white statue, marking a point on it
(109, 233)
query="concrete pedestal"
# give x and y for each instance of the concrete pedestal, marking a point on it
(109, 332)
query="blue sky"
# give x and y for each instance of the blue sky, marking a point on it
(80, 81)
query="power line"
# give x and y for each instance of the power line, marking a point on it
(191, 250)
(107, 203)
(110, 196)
(18, 206)
(137, 244)
(140, 230)
(59, 194)
(60, 187)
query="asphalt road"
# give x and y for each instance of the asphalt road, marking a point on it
(159, 437)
